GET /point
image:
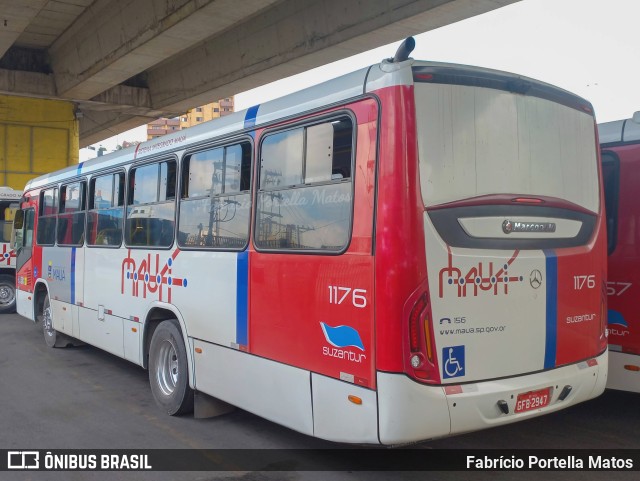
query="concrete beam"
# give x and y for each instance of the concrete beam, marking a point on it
(27, 84)
(294, 36)
(114, 40)
(15, 17)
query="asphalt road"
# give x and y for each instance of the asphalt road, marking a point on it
(84, 398)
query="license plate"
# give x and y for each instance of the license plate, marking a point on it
(527, 401)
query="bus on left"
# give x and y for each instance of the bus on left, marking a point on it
(9, 203)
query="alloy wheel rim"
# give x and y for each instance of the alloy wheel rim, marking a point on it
(167, 371)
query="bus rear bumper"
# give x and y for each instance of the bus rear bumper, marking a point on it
(409, 411)
(624, 371)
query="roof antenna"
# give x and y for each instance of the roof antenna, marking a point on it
(404, 50)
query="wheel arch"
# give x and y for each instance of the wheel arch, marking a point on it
(157, 313)
(40, 291)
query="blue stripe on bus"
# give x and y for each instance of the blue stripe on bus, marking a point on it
(73, 275)
(250, 118)
(79, 168)
(552, 310)
(242, 298)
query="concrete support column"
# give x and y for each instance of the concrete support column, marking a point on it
(37, 136)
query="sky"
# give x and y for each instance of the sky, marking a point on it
(589, 47)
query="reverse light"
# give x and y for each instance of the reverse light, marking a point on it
(416, 361)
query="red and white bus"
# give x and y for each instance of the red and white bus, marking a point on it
(409, 251)
(620, 144)
(9, 203)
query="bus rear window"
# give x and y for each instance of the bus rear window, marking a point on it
(476, 141)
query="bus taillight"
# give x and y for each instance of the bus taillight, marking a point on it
(420, 341)
(414, 323)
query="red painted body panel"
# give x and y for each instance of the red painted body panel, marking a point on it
(289, 293)
(27, 275)
(580, 325)
(624, 261)
(400, 252)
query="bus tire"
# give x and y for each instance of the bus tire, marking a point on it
(168, 371)
(46, 319)
(7, 294)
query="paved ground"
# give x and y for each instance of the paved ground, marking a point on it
(84, 398)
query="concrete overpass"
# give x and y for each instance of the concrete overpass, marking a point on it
(73, 72)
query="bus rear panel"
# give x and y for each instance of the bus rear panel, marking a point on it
(510, 319)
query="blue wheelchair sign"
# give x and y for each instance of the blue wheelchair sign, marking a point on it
(452, 362)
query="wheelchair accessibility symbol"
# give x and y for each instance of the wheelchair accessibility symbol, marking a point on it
(452, 362)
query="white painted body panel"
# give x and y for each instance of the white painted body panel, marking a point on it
(621, 378)
(62, 316)
(619, 131)
(338, 419)
(270, 389)
(106, 334)
(412, 412)
(24, 304)
(132, 342)
(492, 322)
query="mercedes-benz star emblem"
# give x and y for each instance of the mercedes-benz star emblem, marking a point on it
(535, 278)
(507, 227)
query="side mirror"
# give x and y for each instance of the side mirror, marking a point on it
(18, 223)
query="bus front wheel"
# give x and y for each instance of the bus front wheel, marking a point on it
(168, 371)
(46, 318)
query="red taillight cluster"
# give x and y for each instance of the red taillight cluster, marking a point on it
(421, 362)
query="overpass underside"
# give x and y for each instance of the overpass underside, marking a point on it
(116, 64)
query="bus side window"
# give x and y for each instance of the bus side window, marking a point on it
(47, 216)
(151, 205)
(215, 207)
(305, 196)
(72, 213)
(106, 210)
(611, 181)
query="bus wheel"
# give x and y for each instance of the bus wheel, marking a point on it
(168, 372)
(46, 317)
(7, 294)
